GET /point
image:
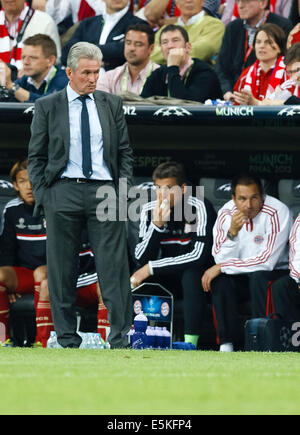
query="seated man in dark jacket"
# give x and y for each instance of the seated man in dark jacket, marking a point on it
(183, 77)
(107, 31)
(175, 242)
(41, 75)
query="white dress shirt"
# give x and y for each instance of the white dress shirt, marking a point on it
(110, 20)
(74, 167)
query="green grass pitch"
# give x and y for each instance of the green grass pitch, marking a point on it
(133, 382)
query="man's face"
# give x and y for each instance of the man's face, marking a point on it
(189, 8)
(14, 7)
(113, 6)
(34, 61)
(23, 187)
(171, 40)
(251, 10)
(293, 70)
(248, 200)
(84, 79)
(137, 49)
(169, 190)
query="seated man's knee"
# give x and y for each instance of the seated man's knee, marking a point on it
(44, 290)
(40, 273)
(8, 277)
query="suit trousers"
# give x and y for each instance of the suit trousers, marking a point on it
(69, 207)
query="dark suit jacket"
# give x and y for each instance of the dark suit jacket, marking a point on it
(232, 53)
(201, 83)
(48, 152)
(90, 29)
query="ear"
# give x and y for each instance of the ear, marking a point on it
(183, 188)
(16, 186)
(52, 59)
(188, 47)
(68, 72)
(151, 48)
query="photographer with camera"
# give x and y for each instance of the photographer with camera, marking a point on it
(41, 75)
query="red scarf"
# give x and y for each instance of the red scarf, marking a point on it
(85, 10)
(13, 55)
(250, 79)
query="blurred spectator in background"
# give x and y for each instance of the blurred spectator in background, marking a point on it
(183, 77)
(107, 31)
(279, 7)
(204, 30)
(41, 77)
(260, 80)
(158, 12)
(59, 10)
(139, 44)
(237, 51)
(288, 93)
(17, 23)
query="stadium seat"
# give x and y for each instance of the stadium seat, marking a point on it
(143, 184)
(218, 190)
(7, 191)
(289, 193)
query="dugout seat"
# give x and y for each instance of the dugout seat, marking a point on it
(289, 194)
(143, 186)
(7, 191)
(218, 190)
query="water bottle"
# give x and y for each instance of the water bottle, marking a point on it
(129, 335)
(166, 338)
(150, 337)
(158, 337)
(139, 337)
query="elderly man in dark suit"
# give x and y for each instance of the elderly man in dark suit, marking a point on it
(107, 31)
(79, 151)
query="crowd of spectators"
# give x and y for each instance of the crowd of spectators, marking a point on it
(234, 50)
(245, 52)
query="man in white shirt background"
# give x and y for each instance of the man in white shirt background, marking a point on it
(132, 75)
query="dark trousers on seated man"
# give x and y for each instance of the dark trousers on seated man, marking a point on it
(286, 297)
(187, 286)
(229, 291)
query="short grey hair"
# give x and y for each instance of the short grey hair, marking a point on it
(82, 50)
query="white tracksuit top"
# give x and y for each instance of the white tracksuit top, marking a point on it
(261, 244)
(295, 251)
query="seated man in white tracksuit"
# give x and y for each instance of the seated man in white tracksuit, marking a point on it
(250, 251)
(286, 290)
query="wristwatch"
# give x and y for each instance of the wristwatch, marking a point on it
(14, 88)
(230, 236)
